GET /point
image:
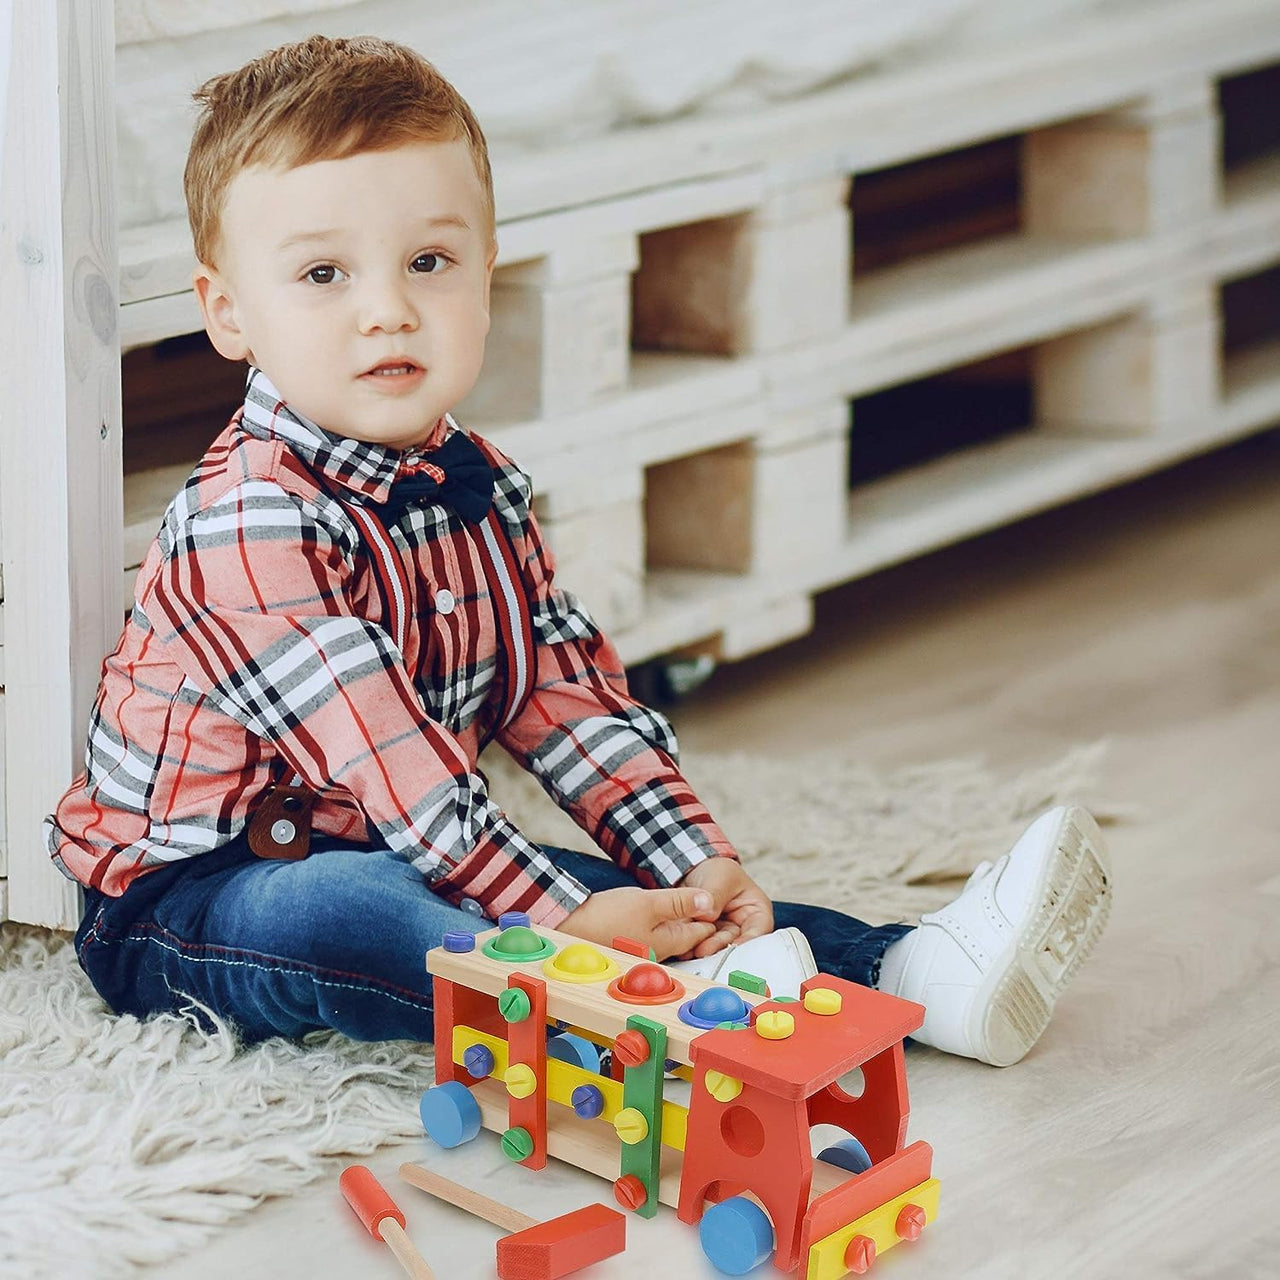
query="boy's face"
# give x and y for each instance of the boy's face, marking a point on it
(331, 269)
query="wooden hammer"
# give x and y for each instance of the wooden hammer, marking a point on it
(382, 1218)
(536, 1250)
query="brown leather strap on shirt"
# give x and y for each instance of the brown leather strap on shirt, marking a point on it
(281, 825)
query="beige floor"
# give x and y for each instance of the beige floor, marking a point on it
(1142, 1136)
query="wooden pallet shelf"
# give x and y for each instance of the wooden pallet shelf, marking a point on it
(682, 326)
(983, 488)
(945, 501)
(962, 304)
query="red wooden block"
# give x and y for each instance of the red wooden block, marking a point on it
(562, 1245)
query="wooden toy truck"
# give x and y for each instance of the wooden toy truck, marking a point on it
(521, 1015)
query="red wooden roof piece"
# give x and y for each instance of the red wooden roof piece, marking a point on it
(821, 1048)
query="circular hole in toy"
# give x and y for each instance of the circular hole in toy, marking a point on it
(852, 1083)
(742, 1131)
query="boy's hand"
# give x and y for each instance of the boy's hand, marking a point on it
(671, 921)
(742, 908)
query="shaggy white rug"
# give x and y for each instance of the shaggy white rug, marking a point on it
(124, 1143)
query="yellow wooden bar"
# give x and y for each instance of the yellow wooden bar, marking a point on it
(563, 1078)
(826, 1256)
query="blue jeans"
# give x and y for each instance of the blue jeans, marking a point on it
(337, 940)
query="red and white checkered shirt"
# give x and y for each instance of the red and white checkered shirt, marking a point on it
(258, 652)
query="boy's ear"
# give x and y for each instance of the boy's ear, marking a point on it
(488, 272)
(219, 312)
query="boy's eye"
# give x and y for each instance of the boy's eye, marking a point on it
(430, 263)
(326, 273)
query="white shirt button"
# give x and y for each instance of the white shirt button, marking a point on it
(445, 601)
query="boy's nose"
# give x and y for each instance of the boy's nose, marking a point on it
(387, 307)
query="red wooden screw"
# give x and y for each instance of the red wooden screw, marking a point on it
(910, 1222)
(860, 1254)
(629, 1191)
(630, 1048)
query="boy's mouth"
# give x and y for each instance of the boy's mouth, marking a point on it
(392, 369)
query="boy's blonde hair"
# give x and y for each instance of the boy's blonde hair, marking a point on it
(319, 99)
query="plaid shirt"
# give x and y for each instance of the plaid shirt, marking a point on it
(258, 650)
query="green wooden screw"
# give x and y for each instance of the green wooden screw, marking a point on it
(517, 1144)
(514, 1005)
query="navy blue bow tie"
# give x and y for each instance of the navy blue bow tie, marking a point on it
(467, 484)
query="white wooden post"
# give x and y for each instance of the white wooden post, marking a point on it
(559, 332)
(1150, 169)
(6, 34)
(60, 445)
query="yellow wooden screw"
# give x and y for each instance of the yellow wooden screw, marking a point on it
(631, 1126)
(721, 1087)
(520, 1080)
(823, 1000)
(774, 1024)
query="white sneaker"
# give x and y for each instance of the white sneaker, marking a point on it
(989, 966)
(782, 958)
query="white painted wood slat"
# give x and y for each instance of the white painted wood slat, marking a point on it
(61, 502)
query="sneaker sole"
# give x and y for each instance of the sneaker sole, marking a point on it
(1074, 892)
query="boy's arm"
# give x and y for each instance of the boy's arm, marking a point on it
(607, 760)
(252, 603)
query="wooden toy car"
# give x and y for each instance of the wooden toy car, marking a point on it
(521, 1018)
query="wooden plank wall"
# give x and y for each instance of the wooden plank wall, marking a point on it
(60, 448)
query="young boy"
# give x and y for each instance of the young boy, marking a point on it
(281, 809)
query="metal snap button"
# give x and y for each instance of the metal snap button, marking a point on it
(283, 831)
(471, 905)
(445, 601)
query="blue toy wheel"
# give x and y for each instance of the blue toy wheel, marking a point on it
(450, 1115)
(849, 1154)
(736, 1235)
(566, 1047)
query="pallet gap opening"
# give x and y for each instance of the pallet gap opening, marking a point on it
(905, 426)
(1250, 330)
(910, 211)
(1250, 122)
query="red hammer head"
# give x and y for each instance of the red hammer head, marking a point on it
(562, 1245)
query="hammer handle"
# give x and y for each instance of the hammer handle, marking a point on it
(410, 1259)
(473, 1202)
